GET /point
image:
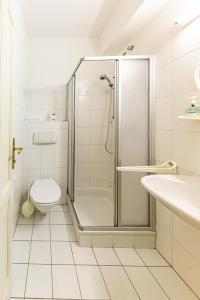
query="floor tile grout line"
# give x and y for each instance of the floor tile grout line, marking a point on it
(41, 215)
(50, 242)
(61, 241)
(178, 276)
(68, 234)
(29, 260)
(101, 274)
(120, 264)
(16, 225)
(128, 276)
(153, 275)
(45, 224)
(162, 288)
(76, 270)
(138, 266)
(52, 291)
(92, 265)
(137, 252)
(136, 249)
(59, 298)
(140, 256)
(43, 241)
(66, 222)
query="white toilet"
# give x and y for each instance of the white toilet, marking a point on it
(45, 193)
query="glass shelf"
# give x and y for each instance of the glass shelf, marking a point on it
(184, 117)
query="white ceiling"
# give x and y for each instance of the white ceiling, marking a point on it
(73, 18)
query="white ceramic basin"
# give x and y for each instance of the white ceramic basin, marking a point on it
(181, 194)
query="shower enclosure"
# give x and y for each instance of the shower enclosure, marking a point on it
(110, 113)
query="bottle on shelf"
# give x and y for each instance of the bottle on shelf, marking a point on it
(193, 109)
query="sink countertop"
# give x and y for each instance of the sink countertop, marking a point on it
(179, 193)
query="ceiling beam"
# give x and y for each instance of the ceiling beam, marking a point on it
(125, 22)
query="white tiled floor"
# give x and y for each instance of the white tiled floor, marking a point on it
(40, 253)
(39, 282)
(152, 289)
(106, 256)
(128, 257)
(59, 233)
(57, 218)
(41, 233)
(41, 219)
(49, 264)
(21, 250)
(65, 282)
(83, 255)
(151, 257)
(61, 253)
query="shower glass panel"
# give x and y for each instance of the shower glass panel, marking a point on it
(70, 111)
(133, 141)
(110, 114)
(94, 143)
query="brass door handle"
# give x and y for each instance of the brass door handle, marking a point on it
(18, 149)
(15, 150)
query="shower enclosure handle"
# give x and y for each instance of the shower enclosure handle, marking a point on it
(168, 167)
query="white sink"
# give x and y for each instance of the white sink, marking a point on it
(181, 194)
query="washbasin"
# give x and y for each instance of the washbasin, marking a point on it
(179, 193)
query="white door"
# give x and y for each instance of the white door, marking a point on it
(6, 29)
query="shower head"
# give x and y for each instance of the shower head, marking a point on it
(129, 48)
(102, 77)
(105, 77)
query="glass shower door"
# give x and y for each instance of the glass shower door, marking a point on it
(110, 125)
(94, 144)
(133, 141)
(70, 111)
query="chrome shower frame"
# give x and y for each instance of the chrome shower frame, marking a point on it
(117, 100)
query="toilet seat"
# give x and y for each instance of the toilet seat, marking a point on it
(45, 191)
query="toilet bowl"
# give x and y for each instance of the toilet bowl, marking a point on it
(44, 193)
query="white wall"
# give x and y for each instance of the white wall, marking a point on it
(179, 243)
(177, 52)
(20, 80)
(93, 165)
(46, 160)
(57, 56)
(127, 18)
(51, 64)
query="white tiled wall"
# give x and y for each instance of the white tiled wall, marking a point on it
(93, 163)
(51, 63)
(47, 94)
(177, 52)
(179, 243)
(94, 166)
(46, 161)
(178, 139)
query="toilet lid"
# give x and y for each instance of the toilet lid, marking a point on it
(45, 191)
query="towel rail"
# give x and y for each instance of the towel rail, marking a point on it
(168, 167)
